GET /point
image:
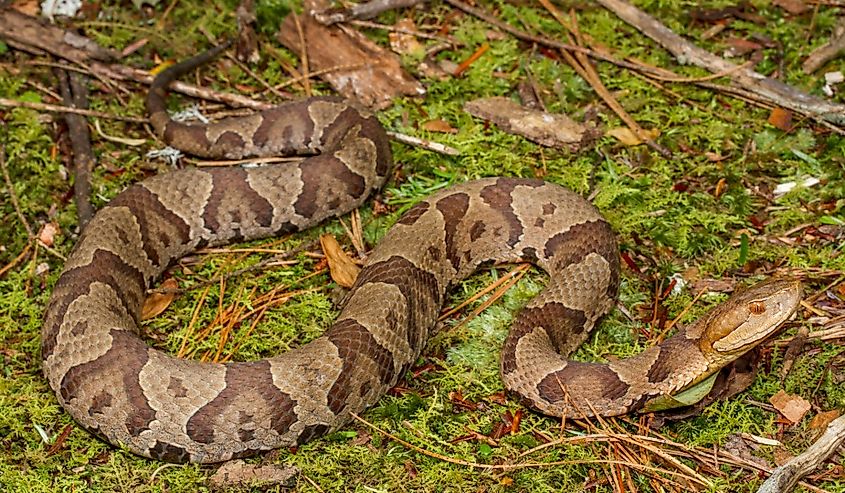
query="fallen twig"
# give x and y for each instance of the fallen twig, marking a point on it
(770, 90)
(578, 60)
(827, 51)
(525, 465)
(425, 144)
(75, 94)
(366, 10)
(36, 36)
(54, 108)
(11, 187)
(785, 477)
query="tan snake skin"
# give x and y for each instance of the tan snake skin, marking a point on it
(158, 406)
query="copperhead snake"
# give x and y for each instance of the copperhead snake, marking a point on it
(158, 406)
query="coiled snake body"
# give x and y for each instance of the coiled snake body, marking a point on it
(158, 406)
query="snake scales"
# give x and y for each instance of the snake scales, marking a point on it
(158, 406)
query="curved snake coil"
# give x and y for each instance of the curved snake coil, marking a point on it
(178, 410)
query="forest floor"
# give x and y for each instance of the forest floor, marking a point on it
(707, 209)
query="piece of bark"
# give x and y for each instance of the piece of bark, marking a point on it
(548, 129)
(30, 32)
(74, 90)
(785, 477)
(765, 88)
(375, 76)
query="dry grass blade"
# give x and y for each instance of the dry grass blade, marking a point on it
(501, 286)
(579, 61)
(510, 467)
(190, 329)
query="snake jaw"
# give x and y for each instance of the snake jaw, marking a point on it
(749, 317)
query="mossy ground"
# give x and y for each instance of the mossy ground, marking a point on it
(664, 227)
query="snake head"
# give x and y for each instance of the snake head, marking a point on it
(749, 316)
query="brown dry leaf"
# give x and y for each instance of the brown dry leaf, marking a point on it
(402, 43)
(238, 473)
(548, 129)
(735, 445)
(351, 63)
(48, 234)
(781, 118)
(792, 407)
(715, 156)
(28, 7)
(794, 7)
(439, 126)
(821, 420)
(720, 187)
(158, 302)
(781, 456)
(739, 47)
(626, 136)
(343, 269)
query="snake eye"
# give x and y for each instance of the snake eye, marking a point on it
(756, 307)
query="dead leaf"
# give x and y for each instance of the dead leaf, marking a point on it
(794, 7)
(439, 126)
(821, 420)
(403, 43)
(351, 63)
(737, 446)
(343, 269)
(626, 136)
(362, 438)
(739, 47)
(48, 233)
(715, 156)
(781, 118)
(782, 456)
(792, 407)
(720, 187)
(158, 302)
(28, 7)
(548, 129)
(238, 473)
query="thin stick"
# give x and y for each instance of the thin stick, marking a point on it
(75, 95)
(517, 271)
(425, 144)
(785, 477)
(511, 467)
(402, 30)
(764, 88)
(11, 188)
(11, 103)
(15, 261)
(303, 57)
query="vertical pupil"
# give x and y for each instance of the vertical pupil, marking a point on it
(757, 308)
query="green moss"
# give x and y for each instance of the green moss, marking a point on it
(666, 213)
